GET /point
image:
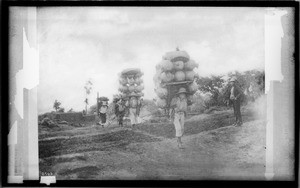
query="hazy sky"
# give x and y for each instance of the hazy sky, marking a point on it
(77, 44)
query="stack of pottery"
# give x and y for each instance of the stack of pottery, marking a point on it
(176, 69)
(131, 85)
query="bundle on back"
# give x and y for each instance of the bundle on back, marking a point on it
(176, 70)
(131, 85)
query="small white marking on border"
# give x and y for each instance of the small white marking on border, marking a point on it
(48, 180)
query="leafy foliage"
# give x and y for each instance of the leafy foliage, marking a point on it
(61, 110)
(88, 88)
(92, 109)
(214, 86)
(198, 103)
(56, 105)
(251, 82)
(151, 107)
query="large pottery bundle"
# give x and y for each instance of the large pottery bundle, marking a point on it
(176, 70)
(131, 85)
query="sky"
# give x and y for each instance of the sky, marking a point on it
(77, 44)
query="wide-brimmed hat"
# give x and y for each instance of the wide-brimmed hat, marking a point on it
(103, 99)
(233, 79)
(181, 90)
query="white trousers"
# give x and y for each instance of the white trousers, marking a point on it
(179, 123)
(133, 116)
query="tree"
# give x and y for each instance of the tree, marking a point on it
(198, 103)
(88, 88)
(217, 89)
(150, 106)
(93, 109)
(212, 85)
(56, 105)
(260, 80)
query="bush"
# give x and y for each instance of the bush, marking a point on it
(92, 109)
(47, 122)
(211, 109)
(198, 103)
(62, 122)
(157, 113)
(61, 110)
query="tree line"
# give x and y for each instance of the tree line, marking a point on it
(213, 91)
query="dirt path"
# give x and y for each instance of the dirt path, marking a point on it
(224, 153)
(145, 153)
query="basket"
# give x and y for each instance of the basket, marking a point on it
(131, 71)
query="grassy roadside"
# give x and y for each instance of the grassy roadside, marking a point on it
(67, 145)
(197, 124)
(65, 151)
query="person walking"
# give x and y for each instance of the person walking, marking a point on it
(235, 98)
(121, 111)
(138, 109)
(133, 104)
(102, 112)
(178, 114)
(116, 106)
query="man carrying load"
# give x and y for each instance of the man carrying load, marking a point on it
(133, 105)
(178, 113)
(103, 108)
(131, 88)
(175, 85)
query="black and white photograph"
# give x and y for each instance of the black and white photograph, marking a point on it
(151, 93)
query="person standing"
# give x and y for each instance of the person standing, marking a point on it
(235, 98)
(102, 112)
(178, 114)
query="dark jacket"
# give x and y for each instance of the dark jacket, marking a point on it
(138, 109)
(238, 92)
(117, 109)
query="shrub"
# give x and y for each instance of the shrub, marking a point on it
(61, 110)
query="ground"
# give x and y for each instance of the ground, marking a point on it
(213, 149)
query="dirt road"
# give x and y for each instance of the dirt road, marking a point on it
(213, 150)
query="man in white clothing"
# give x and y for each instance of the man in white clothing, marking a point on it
(178, 113)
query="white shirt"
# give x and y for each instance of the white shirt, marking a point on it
(180, 104)
(232, 93)
(103, 109)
